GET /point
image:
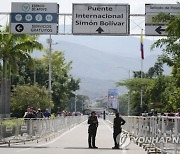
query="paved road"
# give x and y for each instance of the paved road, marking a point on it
(74, 142)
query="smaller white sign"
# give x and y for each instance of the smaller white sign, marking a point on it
(34, 28)
(152, 10)
(165, 8)
(23, 128)
(9, 129)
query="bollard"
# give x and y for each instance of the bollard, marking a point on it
(9, 143)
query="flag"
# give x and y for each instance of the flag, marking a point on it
(142, 46)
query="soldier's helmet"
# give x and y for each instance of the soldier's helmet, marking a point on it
(93, 112)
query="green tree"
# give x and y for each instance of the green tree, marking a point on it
(135, 85)
(153, 72)
(28, 95)
(123, 104)
(81, 101)
(171, 44)
(156, 70)
(155, 93)
(171, 55)
(28, 75)
(14, 47)
(63, 84)
(159, 91)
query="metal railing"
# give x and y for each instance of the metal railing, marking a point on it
(159, 134)
(21, 130)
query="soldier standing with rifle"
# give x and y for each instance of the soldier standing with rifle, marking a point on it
(93, 124)
(118, 121)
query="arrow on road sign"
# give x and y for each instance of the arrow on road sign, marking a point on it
(19, 28)
(159, 30)
(99, 30)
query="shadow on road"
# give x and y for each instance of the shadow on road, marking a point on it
(13, 146)
(92, 149)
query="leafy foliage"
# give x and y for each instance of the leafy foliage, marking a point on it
(63, 84)
(16, 47)
(26, 95)
(159, 92)
(123, 104)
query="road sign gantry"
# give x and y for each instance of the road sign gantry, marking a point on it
(151, 29)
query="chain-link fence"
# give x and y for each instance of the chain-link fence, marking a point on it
(21, 130)
(159, 134)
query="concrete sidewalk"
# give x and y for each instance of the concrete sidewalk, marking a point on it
(75, 142)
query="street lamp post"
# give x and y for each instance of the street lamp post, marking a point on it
(49, 41)
(82, 106)
(129, 76)
(75, 100)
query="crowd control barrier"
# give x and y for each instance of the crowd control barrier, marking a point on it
(21, 130)
(156, 134)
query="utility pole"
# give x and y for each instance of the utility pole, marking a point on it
(75, 99)
(129, 94)
(142, 58)
(49, 41)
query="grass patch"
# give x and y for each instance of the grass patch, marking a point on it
(13, 122)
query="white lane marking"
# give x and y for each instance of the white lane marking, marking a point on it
(123, 151)
(54, 139)
(108, 126)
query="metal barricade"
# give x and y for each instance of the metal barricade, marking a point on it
(18, 130)
(157, 134)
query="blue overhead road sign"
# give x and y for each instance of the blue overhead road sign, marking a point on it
(34, 18)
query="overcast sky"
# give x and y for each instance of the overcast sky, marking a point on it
(136, 6)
